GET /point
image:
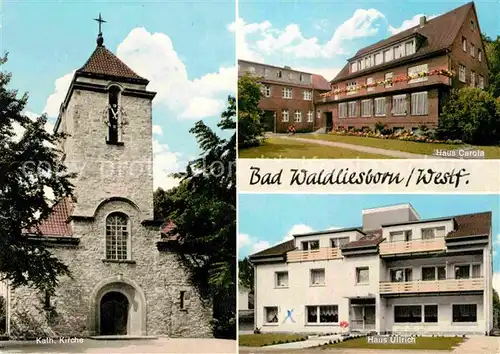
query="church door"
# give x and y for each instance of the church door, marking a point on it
(114, 313)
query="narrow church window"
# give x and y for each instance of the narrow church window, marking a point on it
(117, 236)
(183, 294)
(113, 115)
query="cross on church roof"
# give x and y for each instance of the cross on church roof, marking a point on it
(100, 40)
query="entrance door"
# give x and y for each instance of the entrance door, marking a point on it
(114, 313)
(357, 317)
(268, 121)
(329, 121)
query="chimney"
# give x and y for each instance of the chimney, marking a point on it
(423, 20)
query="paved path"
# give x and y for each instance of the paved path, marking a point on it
(139, 346)
(360, 148)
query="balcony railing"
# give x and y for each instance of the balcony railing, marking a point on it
(431, 286)
(319, 254)
(431, 80)
(415, 246)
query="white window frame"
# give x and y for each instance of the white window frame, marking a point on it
(251, 69)
(338, 242)
(404, 274)
(267, 91)
(351, 85)
(481, 82)
(411, 46)
(464, 44)
(290, 75)
(479, 55)
(434, 230)
(370, 108)
(473, 78)
(473, 50)
(318, 315)
(405, 105)
(384, 104)
(114, 247)
(380, 55)
(462, 74)
(285, 115)
(453, 317)
(297, 117)
(422, 312)
(388, 55)
(349, 110)
(266, 72)
(354, 67)
(417, 99)
(436, 273)
(388, 76)
(277, 278)
(471, 267)
(310, 116)
(286, 92)
(358, 272)
(343, 110)
(308, 243)
(279, 74)
(318, 270)
(307, 94)
(417, 69)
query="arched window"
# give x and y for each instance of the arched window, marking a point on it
(117, 236)
(114, 115)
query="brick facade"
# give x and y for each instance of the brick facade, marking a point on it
(434, 52)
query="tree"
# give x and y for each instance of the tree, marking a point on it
(492, 49)
(203, 211)
(471, 115)
(29, 166)
(250, 128)
(245, 276)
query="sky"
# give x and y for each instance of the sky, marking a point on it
(319, 36)
(185, 49)
(265, 220)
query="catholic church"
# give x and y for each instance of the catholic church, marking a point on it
(126, 278)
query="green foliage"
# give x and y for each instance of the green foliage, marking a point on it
(29, 165)
(250, 127)
(492, 48)
(246, 273)
(471, 115)
(203, 210)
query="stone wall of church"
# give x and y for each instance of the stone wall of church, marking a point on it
(160, 276)
(106, 170)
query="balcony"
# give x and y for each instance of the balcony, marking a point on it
(416, 246)
(400, 86)
(320, 254)
(432, 286)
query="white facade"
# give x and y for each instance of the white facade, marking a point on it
(418, 280)
(243, 298)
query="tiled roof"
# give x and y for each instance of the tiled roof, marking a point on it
(57, 222)
(104, 63)
(320, 83)
(477, 224)
(372, 238)
(440, 32)
(277, 250)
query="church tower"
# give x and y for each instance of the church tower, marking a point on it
(107, 116)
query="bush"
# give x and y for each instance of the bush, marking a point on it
(472, 115)
(250, 128)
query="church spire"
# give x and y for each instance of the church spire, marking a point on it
(100, 39)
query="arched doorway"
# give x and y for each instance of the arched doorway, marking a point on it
(114, 309)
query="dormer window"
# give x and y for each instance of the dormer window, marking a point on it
(354, 67)
(310, 245)
(114, 116)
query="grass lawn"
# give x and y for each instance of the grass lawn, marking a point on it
(294, 149)
(259, 340)
(491, 152)
(422, 343)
